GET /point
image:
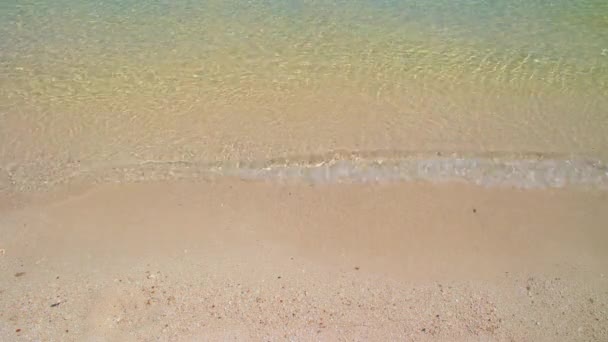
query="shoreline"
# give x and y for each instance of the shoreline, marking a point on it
(531, 170)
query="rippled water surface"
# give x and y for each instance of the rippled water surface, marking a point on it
(88, 86)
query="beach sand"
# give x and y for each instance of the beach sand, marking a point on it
(236, 260)
(303, 170)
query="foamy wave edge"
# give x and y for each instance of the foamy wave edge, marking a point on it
(491, 170)
(526, 171)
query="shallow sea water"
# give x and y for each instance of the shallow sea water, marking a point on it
(491, 92)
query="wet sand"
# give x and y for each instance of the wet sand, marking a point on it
(236, 260)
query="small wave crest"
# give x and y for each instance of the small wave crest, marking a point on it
(526, 171)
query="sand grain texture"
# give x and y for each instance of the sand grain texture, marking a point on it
(234, 260)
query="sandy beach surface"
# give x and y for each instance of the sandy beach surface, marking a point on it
(320, 170)
(236, 260)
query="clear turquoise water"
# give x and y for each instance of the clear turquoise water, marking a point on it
(90, 85)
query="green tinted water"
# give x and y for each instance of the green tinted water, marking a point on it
(100, 83)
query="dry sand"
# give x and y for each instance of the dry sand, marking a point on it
(234, 260)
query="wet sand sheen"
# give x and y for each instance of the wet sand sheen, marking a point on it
(235, 259)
